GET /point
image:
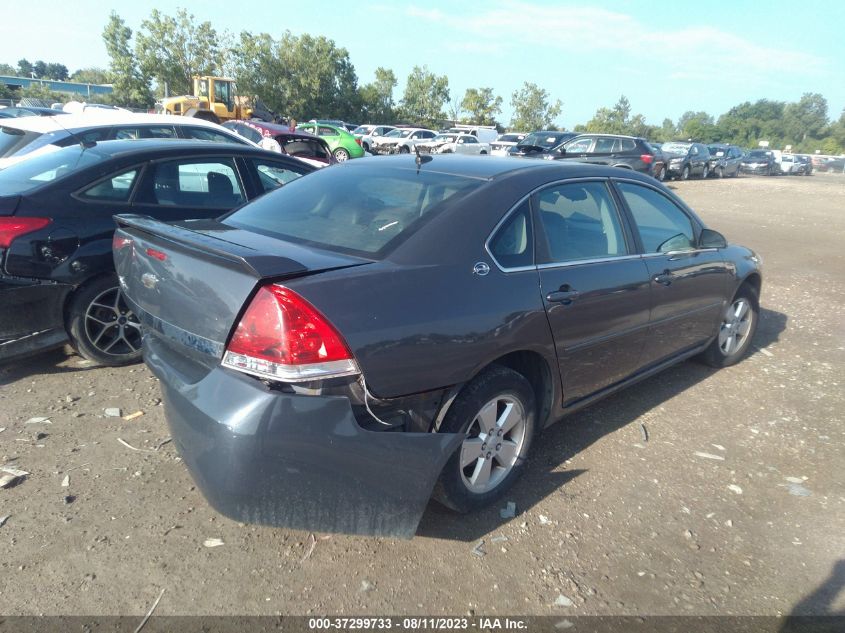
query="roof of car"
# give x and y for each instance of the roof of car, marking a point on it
(167, 146)
(634, 138)
(487, 168)
(102, 118)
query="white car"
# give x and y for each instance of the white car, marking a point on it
(788, 164)
(31, 136)
(448, 143)
(484, 133)
(500, 146)
(401, 140)
(367, 133)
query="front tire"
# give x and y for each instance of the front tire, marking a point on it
(404, 150)
(497, 415)
(739, 323)
(685, 173)
(705, 172)
(661, 174)
(101, 326)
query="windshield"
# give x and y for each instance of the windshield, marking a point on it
(30, 174)
(716, 151)
(511, 138)
(444, 138)
(758, 154)
(362, 211)
(676, 148)
(544, 139)
(363, 129)
(396, 133)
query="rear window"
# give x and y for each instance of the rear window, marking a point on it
(12, 139)
(356, 211)
(40, 170)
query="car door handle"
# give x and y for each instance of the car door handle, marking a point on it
(665, 278)
(565, 295)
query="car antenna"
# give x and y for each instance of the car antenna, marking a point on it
(82, 143)
(420, 159)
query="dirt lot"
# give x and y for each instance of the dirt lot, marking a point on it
(735, 504)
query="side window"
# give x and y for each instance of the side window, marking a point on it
(470, 140)
(627, 145)
(114, 189)
(127, 132)
(663, 226)
(88, 136)
(207, 183)
(513, 244)
(202, 134)
(579, 146)
(164, 131)
(273, 175)
(327, 131)
(580, 221)
(604, 145)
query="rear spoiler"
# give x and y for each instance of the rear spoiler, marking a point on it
(252, 262)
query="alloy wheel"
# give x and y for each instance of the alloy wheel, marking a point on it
(493, 443)
(736, 324)
(110, 326)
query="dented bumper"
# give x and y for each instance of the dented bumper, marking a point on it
(262, 456)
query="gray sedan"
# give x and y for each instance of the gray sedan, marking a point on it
(339, 351)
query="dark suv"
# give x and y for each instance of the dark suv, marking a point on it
(611, 149)
(687, 159)
(725, 160)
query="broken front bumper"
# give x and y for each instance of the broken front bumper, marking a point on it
(263, 456)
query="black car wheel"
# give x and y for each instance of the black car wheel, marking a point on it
(720, 172)
(739, 322)
(496, 414)
(705, 172)
(685, 173)
(661, 173)
(404, 150)
(101, 326)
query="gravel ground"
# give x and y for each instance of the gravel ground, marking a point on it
(733, 503)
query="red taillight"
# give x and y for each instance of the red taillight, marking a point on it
(119, 242)
(357, 140)
(12, 228)
(282, 336)
(647, 158)
(156, 254)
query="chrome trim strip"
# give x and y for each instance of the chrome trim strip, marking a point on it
(579, 262)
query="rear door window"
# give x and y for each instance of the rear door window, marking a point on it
(205, 183)
(579, 146)
(663, 226)
(513, 244)
(580, 221)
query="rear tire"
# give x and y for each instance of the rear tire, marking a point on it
(404, 150)
(497, 415)
(341, 155)
(101, 326)
(736, 330)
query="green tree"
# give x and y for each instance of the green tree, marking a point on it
(131, 87)
(172, 50)
(298, 76)
(618, 120)
(806, 119)
(425, 96)
(377, 97)
(59, 72)
(481, 106)
(667, 131)
(37, 90)
(748, 123)
(532, 109)
(91, 75)
(7, 70)
(24, 68)
(698, 126)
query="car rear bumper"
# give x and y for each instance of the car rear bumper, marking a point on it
(264, 456)
(31, 316)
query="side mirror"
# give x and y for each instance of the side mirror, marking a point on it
(560, 150)
(711, 239)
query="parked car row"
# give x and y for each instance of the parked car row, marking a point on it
(427, 314)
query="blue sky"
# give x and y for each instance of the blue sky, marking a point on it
(669, 59)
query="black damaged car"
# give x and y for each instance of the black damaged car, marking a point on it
(536, 143)
(57, 280)
(339, 350)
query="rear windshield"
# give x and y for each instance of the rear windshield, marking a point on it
(361, 212)
(12, 139)
(30, 174)
(547, 139)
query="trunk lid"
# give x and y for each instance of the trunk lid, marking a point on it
(188, 282)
